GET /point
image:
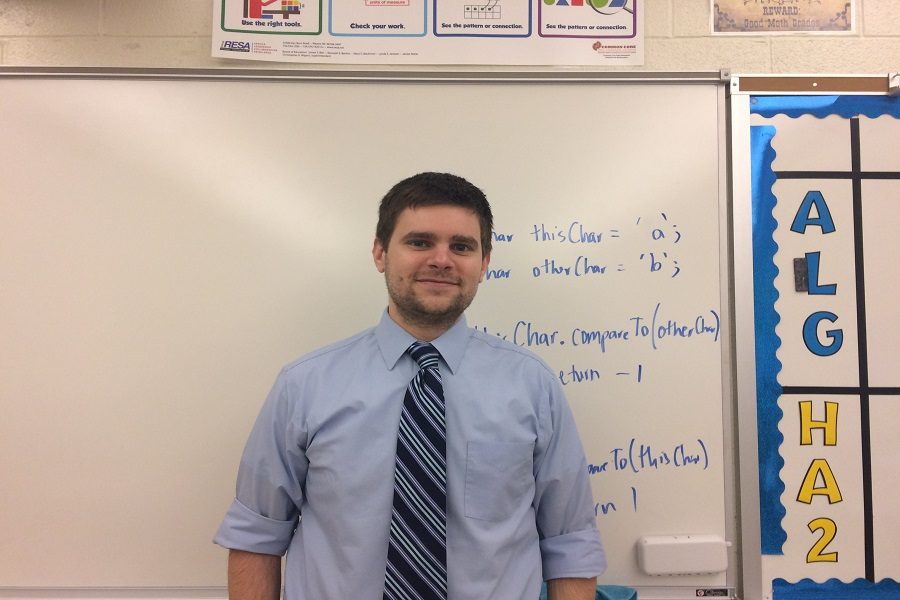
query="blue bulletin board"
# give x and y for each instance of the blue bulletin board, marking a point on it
(824, 203)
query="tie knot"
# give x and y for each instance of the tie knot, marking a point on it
(424, 354)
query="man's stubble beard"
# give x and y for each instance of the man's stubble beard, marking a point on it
(415, 312)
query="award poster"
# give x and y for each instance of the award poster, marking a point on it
(459, 32)
(782, 16)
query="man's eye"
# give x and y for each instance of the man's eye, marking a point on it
(418, 243)
(462, 248)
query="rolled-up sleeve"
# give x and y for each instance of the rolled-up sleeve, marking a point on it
(569, 540)
(244, 529)
(264, 514)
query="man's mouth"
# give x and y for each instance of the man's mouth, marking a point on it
(437, 280)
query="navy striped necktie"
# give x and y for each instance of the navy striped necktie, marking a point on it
(417, 547)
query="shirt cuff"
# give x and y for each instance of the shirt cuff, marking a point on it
(576, 554)
(244, 529)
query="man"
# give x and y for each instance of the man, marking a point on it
(327, 472)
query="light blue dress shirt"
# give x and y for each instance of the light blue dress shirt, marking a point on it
(317, 475)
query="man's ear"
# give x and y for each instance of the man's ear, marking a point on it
(485, 261)
(378, 255)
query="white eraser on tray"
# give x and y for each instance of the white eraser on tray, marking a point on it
(682, 554)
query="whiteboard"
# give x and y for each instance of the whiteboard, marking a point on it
(166, 245)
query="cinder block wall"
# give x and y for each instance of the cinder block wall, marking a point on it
(176, 33)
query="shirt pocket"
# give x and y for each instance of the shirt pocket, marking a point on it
(498, 479)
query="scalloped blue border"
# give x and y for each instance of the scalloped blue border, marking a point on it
(823, 106)
(771, 511)
(806, 589)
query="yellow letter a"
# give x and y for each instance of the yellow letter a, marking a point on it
(808, 489)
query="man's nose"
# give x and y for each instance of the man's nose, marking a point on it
(441, 256)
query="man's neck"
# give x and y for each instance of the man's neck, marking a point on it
(421, 331)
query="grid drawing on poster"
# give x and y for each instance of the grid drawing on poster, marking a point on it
(826, 204)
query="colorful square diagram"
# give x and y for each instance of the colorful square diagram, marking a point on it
(283, 17)
(378, 18)
(482, 18)
(587, 18)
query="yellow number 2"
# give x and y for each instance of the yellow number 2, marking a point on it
(829, 530)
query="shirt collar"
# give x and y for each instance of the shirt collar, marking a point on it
(393, 341)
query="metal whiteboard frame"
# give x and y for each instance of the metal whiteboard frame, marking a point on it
(558, 76)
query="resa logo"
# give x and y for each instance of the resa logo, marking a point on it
(235, 46)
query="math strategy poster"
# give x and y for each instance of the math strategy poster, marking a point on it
(462, 32)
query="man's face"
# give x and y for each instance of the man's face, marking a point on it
(432, 265)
